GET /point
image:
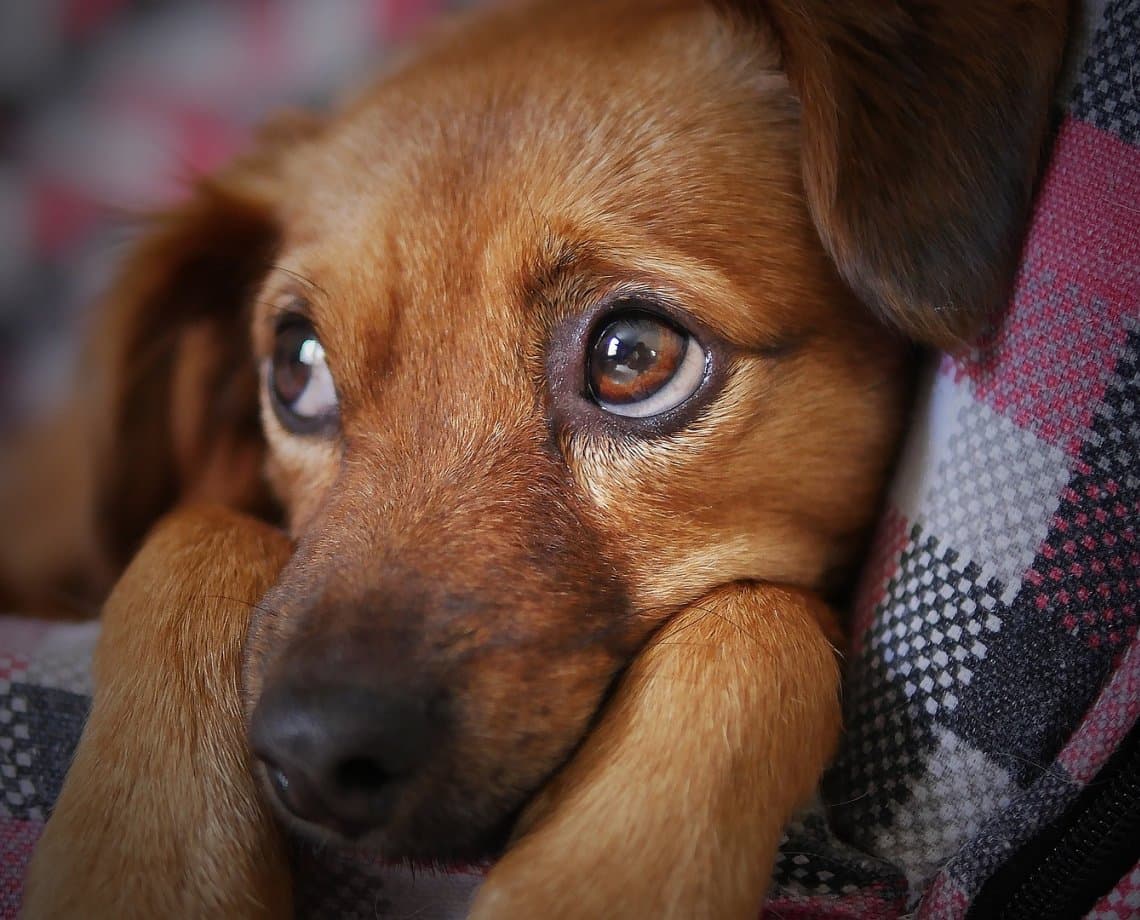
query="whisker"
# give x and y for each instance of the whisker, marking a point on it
(263, 608)
(304, 279)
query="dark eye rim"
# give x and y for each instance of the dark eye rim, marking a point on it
(572, 402)
(318, 426)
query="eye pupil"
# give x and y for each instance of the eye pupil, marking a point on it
(637, 356)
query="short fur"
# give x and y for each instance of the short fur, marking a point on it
(597, 611)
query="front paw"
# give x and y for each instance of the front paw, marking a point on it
(674, 805)
(159, 815)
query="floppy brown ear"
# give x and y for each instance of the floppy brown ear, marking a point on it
(922, 124)
(173, 350)
(165, 404)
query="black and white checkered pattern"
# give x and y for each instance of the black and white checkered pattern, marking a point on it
(1108, 93)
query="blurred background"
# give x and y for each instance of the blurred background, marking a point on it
(108, 107)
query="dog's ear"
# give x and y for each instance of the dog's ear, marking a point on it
(179, 389)
(922, 122)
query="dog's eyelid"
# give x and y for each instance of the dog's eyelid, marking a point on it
(289, 304)
(291, 307)
(273, 305)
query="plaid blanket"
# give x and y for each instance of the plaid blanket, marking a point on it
(995, 659)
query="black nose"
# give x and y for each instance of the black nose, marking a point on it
(336, 755)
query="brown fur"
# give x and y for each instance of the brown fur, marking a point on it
(169, 824)
(595, 605)
(922, 126)
(718, 817)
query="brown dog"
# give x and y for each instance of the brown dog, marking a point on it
(559, 352)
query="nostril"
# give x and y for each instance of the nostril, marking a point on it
(362, 775)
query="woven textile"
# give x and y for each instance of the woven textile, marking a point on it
(994, 662)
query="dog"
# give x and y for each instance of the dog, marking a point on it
(476, 467)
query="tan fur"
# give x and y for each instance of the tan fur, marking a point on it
(597, 605)
(705, 829)
(159, 816)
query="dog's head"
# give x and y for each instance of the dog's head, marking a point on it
(584, 311)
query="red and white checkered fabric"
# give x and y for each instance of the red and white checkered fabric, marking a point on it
(1123, 902)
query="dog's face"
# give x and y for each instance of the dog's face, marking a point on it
(554, 341)
(551, 349)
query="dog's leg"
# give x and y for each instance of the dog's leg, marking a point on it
(159, 816)
(675, 805)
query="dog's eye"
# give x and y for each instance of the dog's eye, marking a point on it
(641, 365)
(304, 394)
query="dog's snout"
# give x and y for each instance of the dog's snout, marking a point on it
(337, 754)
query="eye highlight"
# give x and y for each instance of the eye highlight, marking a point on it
(300, 383)
(639, 365)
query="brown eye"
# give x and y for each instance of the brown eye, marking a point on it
(640, 365)
(300, 382)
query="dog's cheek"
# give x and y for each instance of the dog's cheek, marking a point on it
(669, 508)
(300, 473)
(526, 694)
(774, 482)
(526, 698)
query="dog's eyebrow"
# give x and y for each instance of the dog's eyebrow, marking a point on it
(559, 265)
(558, 259)
(566, 273)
